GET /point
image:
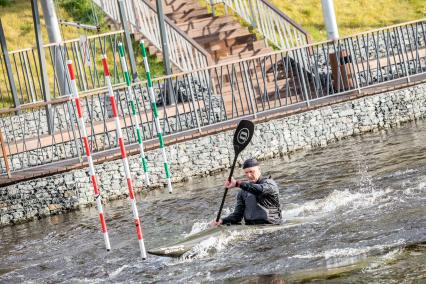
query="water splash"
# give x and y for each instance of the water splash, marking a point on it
(349, 252)
(214, 245)
(336, 200)
(204, 224)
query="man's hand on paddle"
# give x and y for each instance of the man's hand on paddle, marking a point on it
(215, 224)
(230, 184)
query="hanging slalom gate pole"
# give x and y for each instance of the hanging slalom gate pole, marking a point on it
(124, 157)
(155, 112)
(85, 140)
(134, 115)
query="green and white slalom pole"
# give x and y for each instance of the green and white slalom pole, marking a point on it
(134, 113)
(155, 113)
(128, 176)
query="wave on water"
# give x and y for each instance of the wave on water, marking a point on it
(345, 256)
(418, 190)
(203, 225)
(211, 245)
(336, 200)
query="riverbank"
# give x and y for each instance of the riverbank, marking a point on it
(207, 155)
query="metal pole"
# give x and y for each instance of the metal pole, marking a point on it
(54, 33)
(166, 53)
(137, 16)
(330, 19)
(252, 16)
(212, 6)
(124, 23)
(12, 86)
(42, 61)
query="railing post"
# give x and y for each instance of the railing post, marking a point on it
(250, 89)
(401, 51)
(137, 16)
(164, 43)
(166, 52)
(52, 27)
(42, 62)
(301, 71)
(252, 16)
(12, 86)
(4, 155)
(212, 6)
(124, 23)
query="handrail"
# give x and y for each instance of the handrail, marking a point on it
(272, 23)
(290, 20)
(185, 52)
(66, 41)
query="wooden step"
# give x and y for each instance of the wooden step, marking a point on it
(225, 39)
(196, 23)
(236, 49)
(181, 7)
(193, 14)
(249, 42)
(213, 29)
(246, 54)
(259, 44)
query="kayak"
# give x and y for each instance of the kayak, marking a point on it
(177, 249)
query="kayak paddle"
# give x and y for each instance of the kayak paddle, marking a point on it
(242, 137)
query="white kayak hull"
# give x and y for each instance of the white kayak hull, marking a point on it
(179, 248)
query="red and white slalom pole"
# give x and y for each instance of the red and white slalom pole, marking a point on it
(124, 156)
(85, 140)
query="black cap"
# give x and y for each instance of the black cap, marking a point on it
(250, 163)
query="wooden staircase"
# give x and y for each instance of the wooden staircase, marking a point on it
(222, 36)
(227, 40)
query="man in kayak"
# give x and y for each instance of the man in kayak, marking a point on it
(258, 200)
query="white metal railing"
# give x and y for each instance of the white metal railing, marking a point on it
(252, 87)
(273, 24)
(185, 53)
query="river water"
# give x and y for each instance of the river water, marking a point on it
(359, 206)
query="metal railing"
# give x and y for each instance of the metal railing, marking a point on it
(185, 53)
(85, 53)
(292, 79)
(272, 23)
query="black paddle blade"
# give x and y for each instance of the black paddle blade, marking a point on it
(243, 135)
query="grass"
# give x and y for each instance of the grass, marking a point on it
(353, 16)
(18, 25)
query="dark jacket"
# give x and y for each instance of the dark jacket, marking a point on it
(257, 203)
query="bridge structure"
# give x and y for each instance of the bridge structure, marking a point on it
(222, 75)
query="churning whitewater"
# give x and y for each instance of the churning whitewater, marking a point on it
(357, 211)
